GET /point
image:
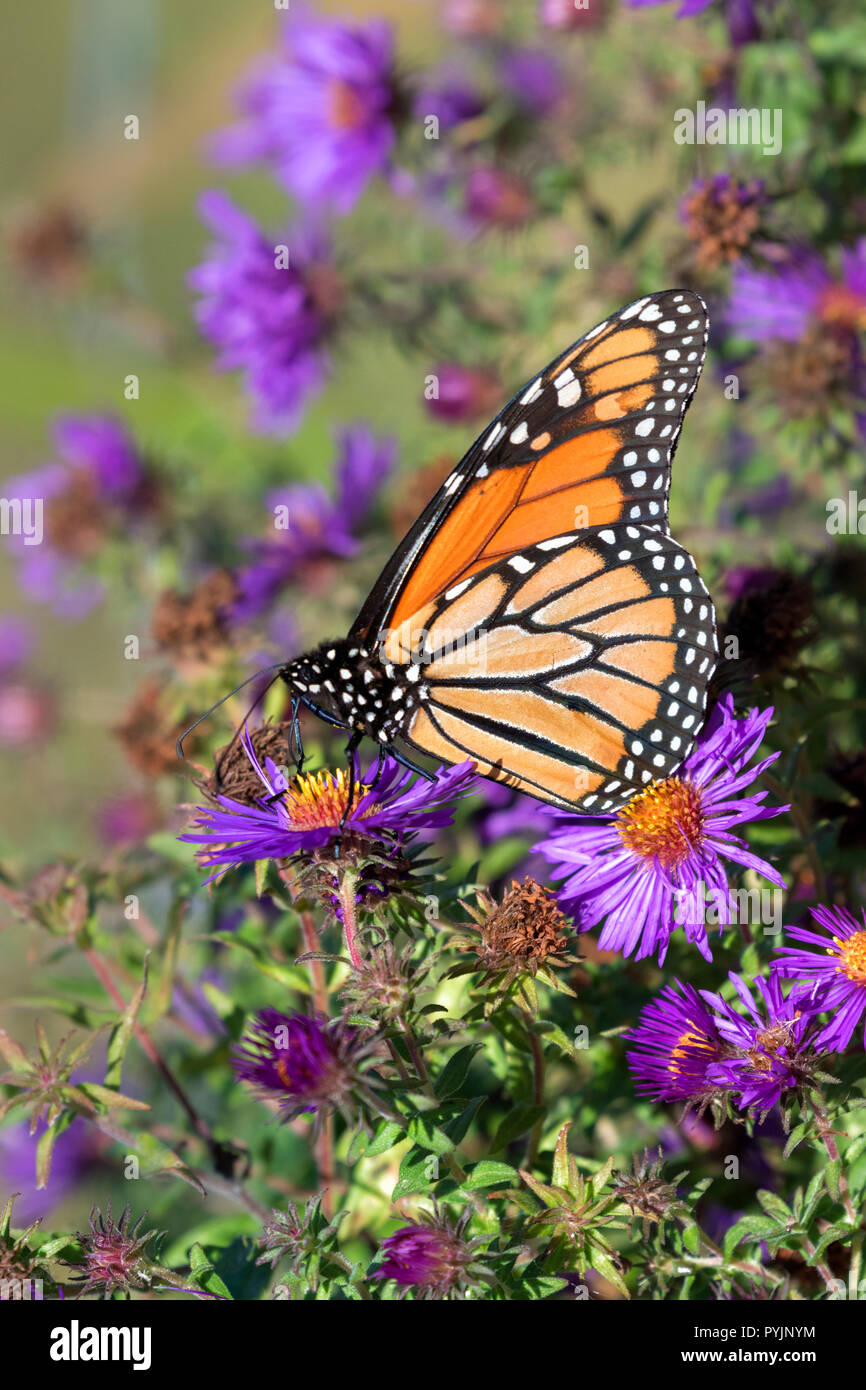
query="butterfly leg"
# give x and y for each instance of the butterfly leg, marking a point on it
(352, 744)
(407, 762)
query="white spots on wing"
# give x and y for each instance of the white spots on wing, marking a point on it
(493, 437)
(638, 479)
(452, 483)
(532, 393)
(557, 542)
(644, 427)
(633, 309)
(650, 314)
(668, 326)
(607, 536)
(521, 564)
(520, 433)
(458, 589)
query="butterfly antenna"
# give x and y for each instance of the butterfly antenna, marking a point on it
(202, 717)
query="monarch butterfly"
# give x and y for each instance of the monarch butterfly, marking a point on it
(538, 617)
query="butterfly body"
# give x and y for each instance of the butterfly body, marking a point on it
(539, 618)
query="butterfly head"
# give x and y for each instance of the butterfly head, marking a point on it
(351, 687)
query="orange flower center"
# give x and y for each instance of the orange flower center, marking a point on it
(347, 109)
(842, 307)
(320, 799)
(665, 822)
(852, 956)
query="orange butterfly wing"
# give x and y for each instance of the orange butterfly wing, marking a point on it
(564, 495)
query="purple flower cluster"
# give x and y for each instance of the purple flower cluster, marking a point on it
(263, 306)
(693, 1045)
(320, 112)
(95, 486)
(782, 303)
(319, 525)
(307, 813)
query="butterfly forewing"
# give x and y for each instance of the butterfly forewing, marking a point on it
(586, 443)
(539, 618)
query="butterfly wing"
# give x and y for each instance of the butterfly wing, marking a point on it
(578, 675)
(563, 638)
(585, 444)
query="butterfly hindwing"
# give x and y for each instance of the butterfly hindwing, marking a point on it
(585, 444)
(576, 670)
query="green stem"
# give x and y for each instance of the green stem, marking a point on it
(537, 1095)
(829, 1138)
(348, 911)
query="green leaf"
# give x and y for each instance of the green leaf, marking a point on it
(202, 1272)
(833, 1174)
(488, 1173)
(518, 1121)
(456, 1128)
(454, 1073)
(417, 1175)
(428, 1135)
(386, 1136)
(122, 1032)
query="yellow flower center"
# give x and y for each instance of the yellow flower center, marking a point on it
(346, 107)
(852, 956)
(319, 799)
(687, 1045)
(665, 822)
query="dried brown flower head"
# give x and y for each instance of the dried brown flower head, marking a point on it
(811, 376)
(772, 619)
(722, 216)
(148, 734)
(49, 244)
(193, 625)
(238, 778)
(516, 939)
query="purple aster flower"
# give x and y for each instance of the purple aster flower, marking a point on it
(838, 975)
(785, 301)
(430, 1255)
(307, 1065)
(533, 78)
(450, 97)
(97, 485)
(102, 447)
(74, 1153)
(319, 526)
(675, 1043)
(269, 319)
(16, 643)
(320, 113)
(306, 813)
(768, 1046)
(659, 862)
